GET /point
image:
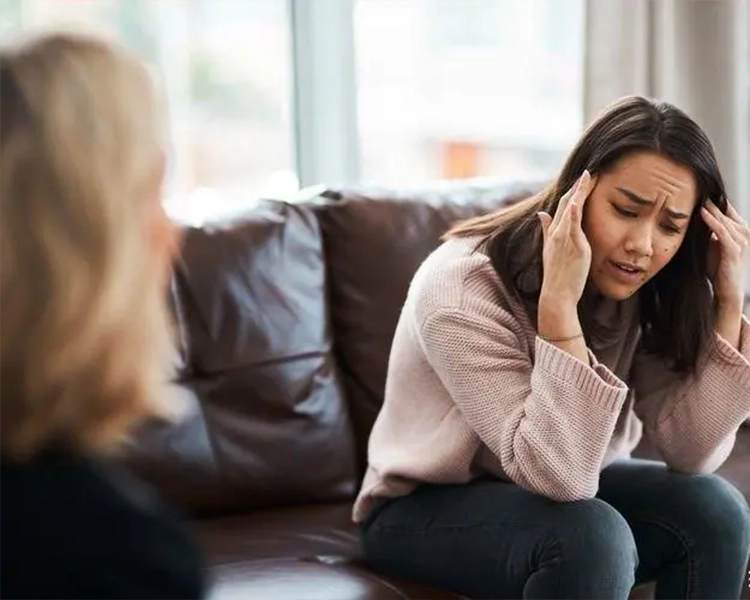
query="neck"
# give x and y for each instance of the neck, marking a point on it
(592, 298)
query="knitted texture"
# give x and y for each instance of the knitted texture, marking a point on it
(472, 390)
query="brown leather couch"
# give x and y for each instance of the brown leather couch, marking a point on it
(286, 314)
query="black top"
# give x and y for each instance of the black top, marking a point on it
(78, 527)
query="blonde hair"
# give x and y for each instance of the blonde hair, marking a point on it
(84, 327)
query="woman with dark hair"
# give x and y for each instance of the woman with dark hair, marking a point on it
(534, 347)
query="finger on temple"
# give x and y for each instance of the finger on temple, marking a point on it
(574, 217)
(564, 201)
(716, 226)
(733, 223)
(735, 215)
(587, 186)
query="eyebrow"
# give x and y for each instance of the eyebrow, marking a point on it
(636, 199)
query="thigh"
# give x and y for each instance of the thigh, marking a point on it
(670, 514)
(487, 538)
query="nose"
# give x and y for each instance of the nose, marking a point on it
(640, 240)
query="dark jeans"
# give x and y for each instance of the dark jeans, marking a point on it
(491, 539)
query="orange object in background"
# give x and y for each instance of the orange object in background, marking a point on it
(460, 159)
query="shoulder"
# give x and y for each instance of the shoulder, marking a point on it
(458, 277)
(75, 513)
(61, 481)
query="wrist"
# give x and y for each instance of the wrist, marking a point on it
(557, 319)
(557, 302)
(728, 323)
(729, 306)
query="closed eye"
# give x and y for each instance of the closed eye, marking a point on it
(629, 214)
(624, 212)
(671, 229)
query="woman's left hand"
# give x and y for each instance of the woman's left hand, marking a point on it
(729, 253)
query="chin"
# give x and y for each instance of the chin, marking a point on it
(616, 291)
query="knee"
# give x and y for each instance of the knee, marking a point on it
(598, 538)
(718, 511)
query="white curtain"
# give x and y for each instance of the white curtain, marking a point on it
(693, 53)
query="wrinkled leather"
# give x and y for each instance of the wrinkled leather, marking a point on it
(285, 318)
(268, 424)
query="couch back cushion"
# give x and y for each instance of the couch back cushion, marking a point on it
(267, 423)
(375, 239)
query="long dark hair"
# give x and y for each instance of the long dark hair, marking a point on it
(676, 306)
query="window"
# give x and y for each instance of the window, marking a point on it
(461, 88)
(226, 66)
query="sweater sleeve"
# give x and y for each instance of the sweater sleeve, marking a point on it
(548, 419)
(693, 420)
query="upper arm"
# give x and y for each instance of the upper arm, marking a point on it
(482, 364)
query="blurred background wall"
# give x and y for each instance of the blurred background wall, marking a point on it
(268, 96)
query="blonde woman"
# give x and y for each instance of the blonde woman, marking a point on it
(85, 252)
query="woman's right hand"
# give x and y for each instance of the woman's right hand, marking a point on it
(567, 254)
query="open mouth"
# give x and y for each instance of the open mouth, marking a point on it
(627, 268)
(628, 273)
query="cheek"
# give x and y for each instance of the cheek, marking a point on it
(664, 253)
(603, 233)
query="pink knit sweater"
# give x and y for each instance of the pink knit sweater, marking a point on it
(472, 390)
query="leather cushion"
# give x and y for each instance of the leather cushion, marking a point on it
(268, 424)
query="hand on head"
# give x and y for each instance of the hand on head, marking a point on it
(728, 253)
(567, 252)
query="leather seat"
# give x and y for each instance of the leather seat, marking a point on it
(310, 552)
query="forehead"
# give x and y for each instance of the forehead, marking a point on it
(655, 178)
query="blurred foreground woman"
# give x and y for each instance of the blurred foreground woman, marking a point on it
(85, 254)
